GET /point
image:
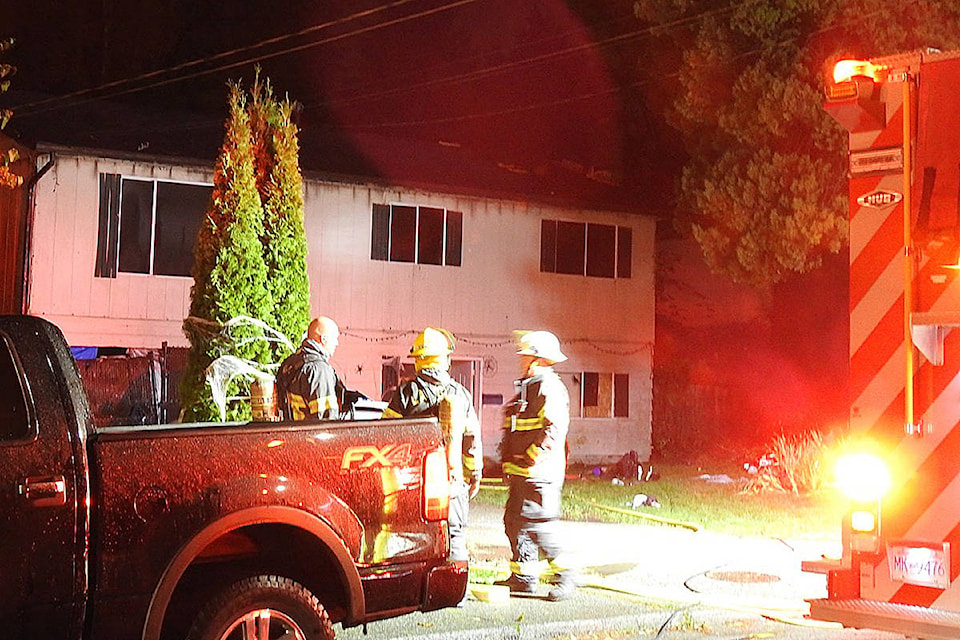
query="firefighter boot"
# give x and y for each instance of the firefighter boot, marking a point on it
(563, 588)
(518, 583)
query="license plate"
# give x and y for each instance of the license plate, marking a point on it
(926, 565)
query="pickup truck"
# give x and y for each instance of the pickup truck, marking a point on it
(207, 531)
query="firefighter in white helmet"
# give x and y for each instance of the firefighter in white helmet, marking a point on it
(434, 393)
(534, 462)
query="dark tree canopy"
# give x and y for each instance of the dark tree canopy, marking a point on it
(763, 190)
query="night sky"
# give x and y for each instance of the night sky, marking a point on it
(517, 83)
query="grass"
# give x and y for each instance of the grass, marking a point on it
(685, 497)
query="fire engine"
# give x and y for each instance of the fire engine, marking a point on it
(900, 562)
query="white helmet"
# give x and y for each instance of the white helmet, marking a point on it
(541, 344)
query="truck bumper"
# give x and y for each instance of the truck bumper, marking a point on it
(446, 585)
(910, 620)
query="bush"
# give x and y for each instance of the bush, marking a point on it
(793, 464)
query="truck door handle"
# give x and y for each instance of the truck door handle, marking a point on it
(44, 491)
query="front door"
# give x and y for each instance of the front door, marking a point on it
(39, 567)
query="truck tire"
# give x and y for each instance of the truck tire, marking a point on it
(237, 613)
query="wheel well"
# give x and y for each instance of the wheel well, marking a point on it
(272, 548)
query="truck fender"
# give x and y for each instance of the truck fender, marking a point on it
(272, 514)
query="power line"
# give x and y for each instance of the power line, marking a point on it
(86, 95)
(121, 87)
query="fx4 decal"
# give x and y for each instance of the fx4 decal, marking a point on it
(391, 455)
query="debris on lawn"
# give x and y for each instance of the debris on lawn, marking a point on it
(643, 500)
(628, 470)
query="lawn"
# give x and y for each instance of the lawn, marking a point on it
(686, 498)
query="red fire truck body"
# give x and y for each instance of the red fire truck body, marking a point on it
(901, 550)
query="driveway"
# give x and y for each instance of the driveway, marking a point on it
(643, 581)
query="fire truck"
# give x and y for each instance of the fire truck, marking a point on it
(901, 536)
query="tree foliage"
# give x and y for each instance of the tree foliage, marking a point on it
(764, 187)
(280, 185)
(250, 256)
(7, 177)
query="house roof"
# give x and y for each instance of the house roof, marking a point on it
(434, 164)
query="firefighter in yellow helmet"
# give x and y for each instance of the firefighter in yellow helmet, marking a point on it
(434, 393)
(534, 463)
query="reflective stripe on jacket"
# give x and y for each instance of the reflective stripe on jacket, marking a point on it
(535, 429)
(421, 396)
(307, 385)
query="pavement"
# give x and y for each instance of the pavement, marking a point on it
(636, 581)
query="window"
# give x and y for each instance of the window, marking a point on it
(604, 395)
(14, 421)
(423, 235)
(578, 248)
(148, 226)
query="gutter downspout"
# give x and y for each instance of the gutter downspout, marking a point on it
(27, 230)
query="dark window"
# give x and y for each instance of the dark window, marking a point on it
(604, 395)
(548, 246)
(403, 234)
(136, 225)
(178, 223)
(430, 236)
(591, 388)
(601, 249)
(624, 251)
(148, 226)
(14, 422)
(621, 395)
(576, 248)
(570, 247)
(380, 234)
(454, 238)
(425, 235)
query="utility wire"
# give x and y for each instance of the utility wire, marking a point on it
(155, 78)
(117, 87)
(86, 95)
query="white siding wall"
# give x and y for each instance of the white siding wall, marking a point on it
(605, 325)
(131, 310)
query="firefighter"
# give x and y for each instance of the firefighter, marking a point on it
(307, 385)
(534, 463)
(434, 393)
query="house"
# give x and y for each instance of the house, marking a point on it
(386, 257)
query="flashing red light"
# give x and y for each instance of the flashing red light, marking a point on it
(846, 70)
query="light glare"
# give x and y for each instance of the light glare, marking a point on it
(845, 70)
(862, 477)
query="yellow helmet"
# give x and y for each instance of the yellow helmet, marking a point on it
(432, 342)
(540, 344)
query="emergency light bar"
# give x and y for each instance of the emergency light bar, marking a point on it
(846, 70)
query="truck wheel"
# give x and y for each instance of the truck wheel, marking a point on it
(263, 608)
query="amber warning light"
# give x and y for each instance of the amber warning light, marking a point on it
(846, 70)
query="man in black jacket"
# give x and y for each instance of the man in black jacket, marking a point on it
(307, 385)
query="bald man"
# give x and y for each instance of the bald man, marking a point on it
(307, 386)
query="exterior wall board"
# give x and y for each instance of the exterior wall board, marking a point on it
(604, 324)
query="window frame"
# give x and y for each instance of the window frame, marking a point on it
(600, 395)
(111, 225)
(565, 249)
(448, 248)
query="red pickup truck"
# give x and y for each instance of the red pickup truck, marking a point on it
(207, 531)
